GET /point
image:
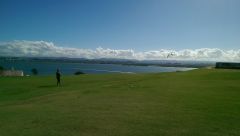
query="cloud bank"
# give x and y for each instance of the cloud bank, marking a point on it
(49, 49)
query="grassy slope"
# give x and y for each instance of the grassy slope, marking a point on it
(199, 102)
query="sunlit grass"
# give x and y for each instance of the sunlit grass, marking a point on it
(198, 102)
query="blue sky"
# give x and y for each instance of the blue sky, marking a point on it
(141, 25)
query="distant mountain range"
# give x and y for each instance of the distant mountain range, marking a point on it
(164, 63)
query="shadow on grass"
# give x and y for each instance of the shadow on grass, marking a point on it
(47, 86)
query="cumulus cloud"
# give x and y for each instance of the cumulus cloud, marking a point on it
(49, 49)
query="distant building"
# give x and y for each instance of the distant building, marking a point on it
(228, 65)
(11, 73)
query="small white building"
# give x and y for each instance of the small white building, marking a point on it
(11, 73)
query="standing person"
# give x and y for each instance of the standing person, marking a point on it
(58, 76)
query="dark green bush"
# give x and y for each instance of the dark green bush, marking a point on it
(78, 73)
(34, 71)
(1, 68)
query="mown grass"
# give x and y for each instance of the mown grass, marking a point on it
(195, 103)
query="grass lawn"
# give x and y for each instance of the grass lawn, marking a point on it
(194, 103)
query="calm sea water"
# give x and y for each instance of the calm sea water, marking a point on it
(49, 68)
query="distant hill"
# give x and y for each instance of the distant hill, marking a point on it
(164, 63)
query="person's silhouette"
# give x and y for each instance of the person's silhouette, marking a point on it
(58, 76)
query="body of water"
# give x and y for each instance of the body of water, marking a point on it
(49, 68)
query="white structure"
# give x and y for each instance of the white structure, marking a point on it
(11, 73)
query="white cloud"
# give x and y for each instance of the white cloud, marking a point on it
(48, 49)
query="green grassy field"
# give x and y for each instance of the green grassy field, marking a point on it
(194, 103)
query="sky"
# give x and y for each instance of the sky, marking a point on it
(136, 25)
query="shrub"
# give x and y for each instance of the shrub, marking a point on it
(78, 73)
(34, 71)
(1, 68)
